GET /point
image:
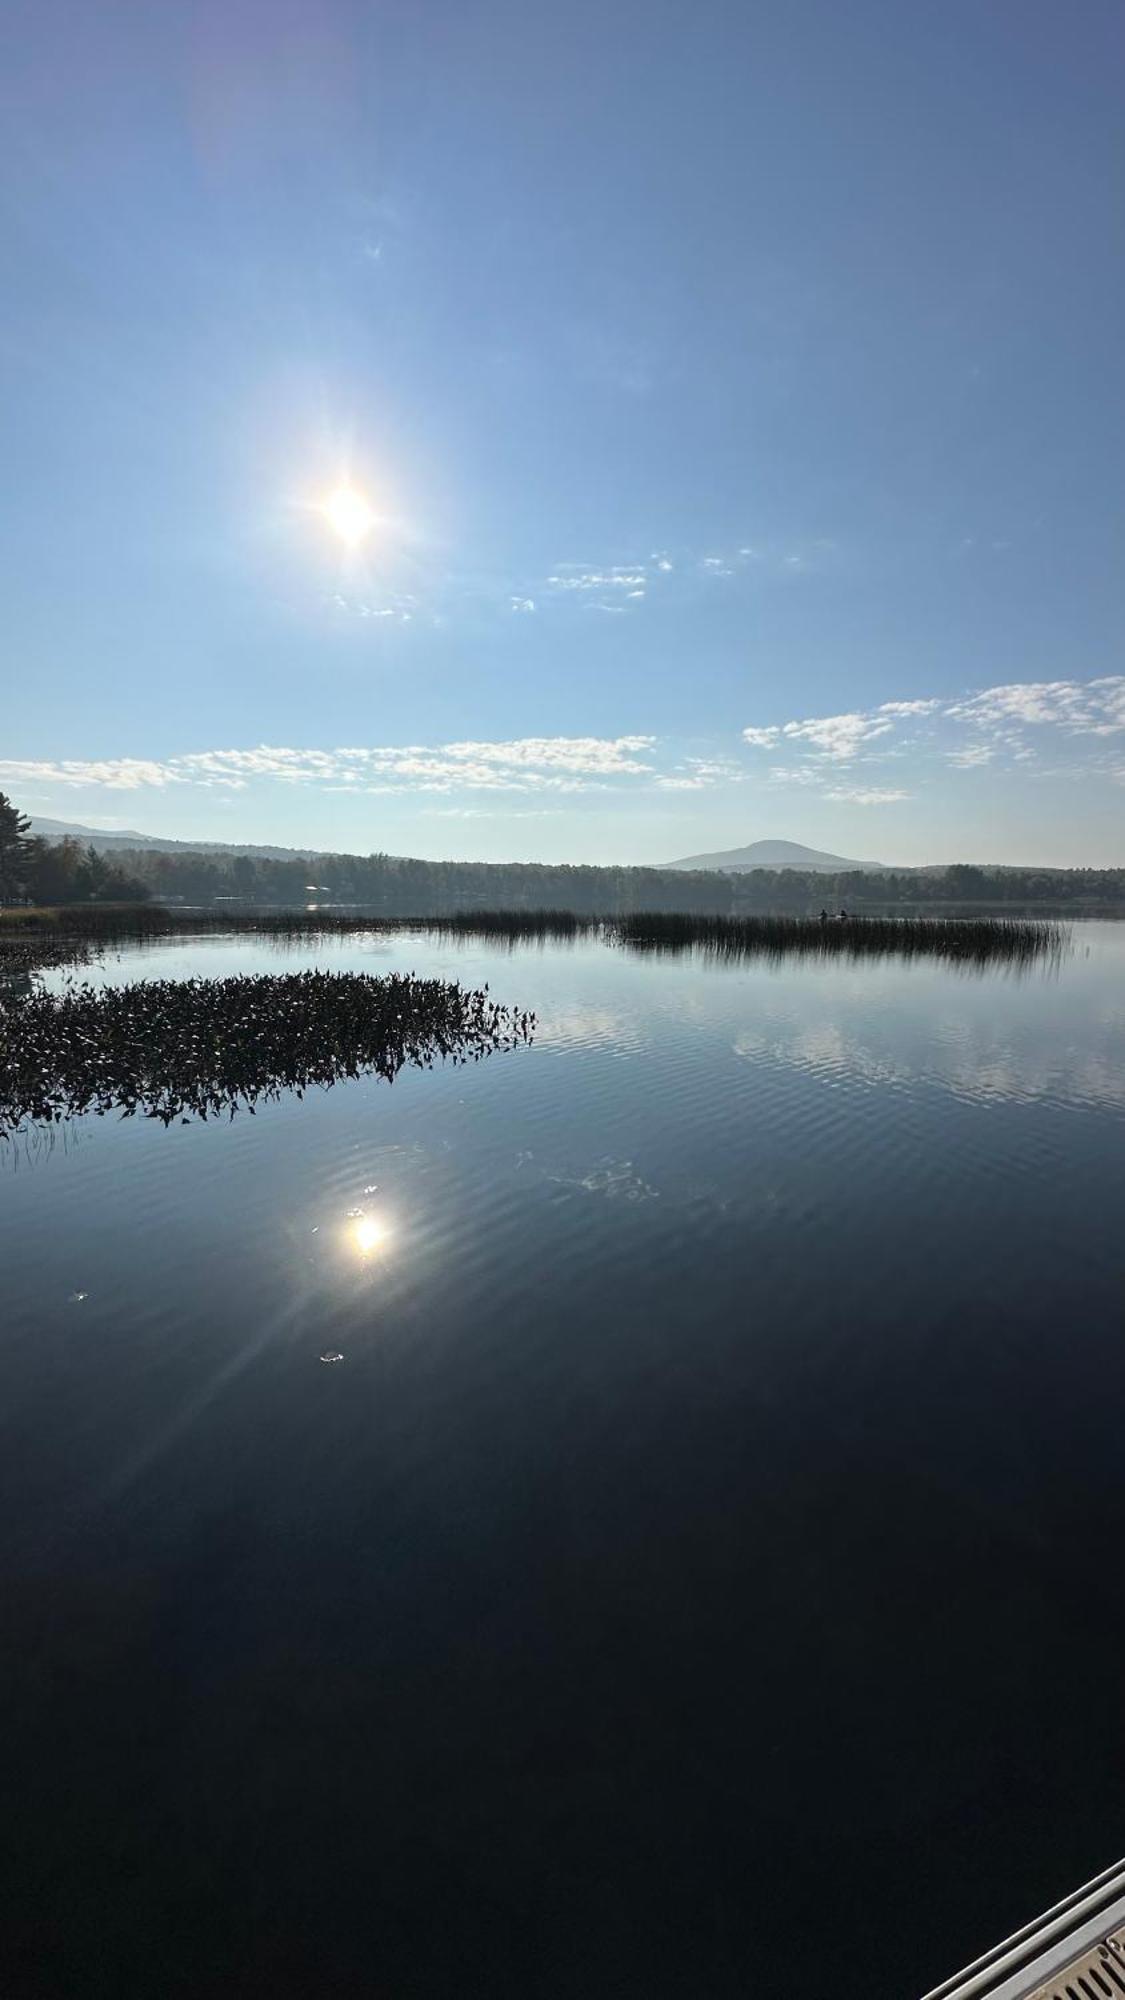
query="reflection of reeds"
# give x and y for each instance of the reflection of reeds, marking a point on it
(545, 924)
(67, 935)
(197, 1047)
(965, 940)
(109, 922)
(30, 939)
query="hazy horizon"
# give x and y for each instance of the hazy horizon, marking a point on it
(479, 434)
(439, 853)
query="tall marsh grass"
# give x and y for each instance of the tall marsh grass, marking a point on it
(967, 940)
(33, 937)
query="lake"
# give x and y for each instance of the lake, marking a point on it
(700, 1573)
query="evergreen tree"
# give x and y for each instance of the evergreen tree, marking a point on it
(14, 849)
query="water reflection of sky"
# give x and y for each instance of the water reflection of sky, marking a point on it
(737, 1369)
(978, 1058)
(1056, 1031)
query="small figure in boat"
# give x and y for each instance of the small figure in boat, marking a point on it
(824, 916)
(843, 916)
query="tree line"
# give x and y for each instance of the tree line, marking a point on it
(393, 885)
(59, 871)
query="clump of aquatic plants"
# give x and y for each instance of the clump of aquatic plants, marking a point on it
(22, 955)
(963, 940)
(195, 1048)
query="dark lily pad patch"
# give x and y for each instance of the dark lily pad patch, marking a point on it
(195, 1048)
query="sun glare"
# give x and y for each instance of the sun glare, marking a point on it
(368, 1234)
(348, 515)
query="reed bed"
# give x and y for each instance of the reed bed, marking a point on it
(93, 920)
(107, 922)
(37, 939)
(980, 941)
(195, 1048)
(70, 934)
(34, 938)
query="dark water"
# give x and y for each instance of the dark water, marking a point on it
(703, 1569)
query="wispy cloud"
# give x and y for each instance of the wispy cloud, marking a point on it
(539, 763)
(867, 795)
(680, 572)
(399, 609)
(598, 754)
(796, 774)
(1082, 708)
(835, 736)
(699, 774)
(996, 727)
(411, 587)
(577, 576)
(119, 774)
(874, 756)
(838, 736)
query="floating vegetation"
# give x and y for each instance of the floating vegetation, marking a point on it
(980, 941)
(194, 1048)
(22, 953)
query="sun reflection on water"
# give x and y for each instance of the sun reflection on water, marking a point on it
(368, 1235)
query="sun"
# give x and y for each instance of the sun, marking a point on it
(349, 515)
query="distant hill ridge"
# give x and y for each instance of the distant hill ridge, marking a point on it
(764, 854)
(760, 853)
(125, 837)
(776, 854)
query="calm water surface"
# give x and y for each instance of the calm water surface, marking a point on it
(704, 1563)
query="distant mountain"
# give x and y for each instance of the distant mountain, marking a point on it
(774, 854)
(734, 861)
(124, 837)
(759, 854)
(63, 829)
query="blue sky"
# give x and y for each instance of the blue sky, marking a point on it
(735, 389)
